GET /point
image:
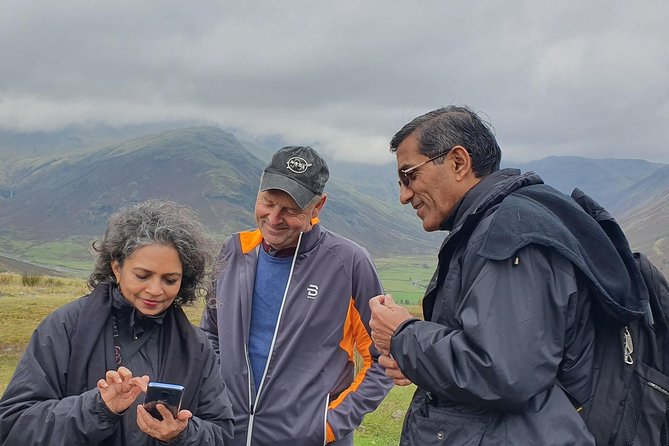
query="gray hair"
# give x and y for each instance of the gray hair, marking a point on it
(440, 130)
(157, 222)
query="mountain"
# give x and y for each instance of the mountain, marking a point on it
(74, 195)
(635, 192)
(603, 179)
(52, 206)
(61, 198)
(645, 217)
(644, 193)
(75, 138)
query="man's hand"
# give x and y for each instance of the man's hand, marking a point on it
(386, 317)
(119, 389)
(392, 370)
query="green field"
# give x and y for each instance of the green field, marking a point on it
(71, 255)
(23, 306)
(406, 278)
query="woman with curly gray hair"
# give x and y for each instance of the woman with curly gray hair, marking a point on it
(160, 223)
(89, 361)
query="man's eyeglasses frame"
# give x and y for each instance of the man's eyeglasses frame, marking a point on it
(406, 175)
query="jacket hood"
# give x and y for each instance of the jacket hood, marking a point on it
(539, 214)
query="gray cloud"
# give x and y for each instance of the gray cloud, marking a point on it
(579, 78)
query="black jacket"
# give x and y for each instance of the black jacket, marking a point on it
(507, 317)
(52, 397)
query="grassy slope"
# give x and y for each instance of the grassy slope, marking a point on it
(23, 307)
(71, 256)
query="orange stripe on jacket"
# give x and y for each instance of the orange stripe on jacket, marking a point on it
(354, 332)
(249, 240)
(356, 335)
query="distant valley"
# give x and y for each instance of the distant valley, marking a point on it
(50, 205)
(636, 192)
(53, 206)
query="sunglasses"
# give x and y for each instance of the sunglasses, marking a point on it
(408, 175)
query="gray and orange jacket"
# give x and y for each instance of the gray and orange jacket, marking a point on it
(309, 393)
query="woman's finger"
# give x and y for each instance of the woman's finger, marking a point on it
(112, 377)
(124, 373)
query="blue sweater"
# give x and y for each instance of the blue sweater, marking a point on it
(270, 285)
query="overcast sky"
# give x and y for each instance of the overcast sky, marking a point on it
(573, 77)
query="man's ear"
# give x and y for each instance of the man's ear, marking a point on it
(462, 161)
(319, 206)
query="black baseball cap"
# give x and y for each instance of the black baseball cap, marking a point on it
(297, 170)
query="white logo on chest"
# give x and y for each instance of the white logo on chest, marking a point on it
(312, 291)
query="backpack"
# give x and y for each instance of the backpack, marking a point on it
(630, 389)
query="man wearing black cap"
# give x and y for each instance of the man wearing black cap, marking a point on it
(291, 308)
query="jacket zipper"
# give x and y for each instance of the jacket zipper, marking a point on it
(251, 408)
(658, 388)
(325, 420)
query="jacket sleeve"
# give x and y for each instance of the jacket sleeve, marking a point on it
(212, 421)
(513, 323)
(209, 321)
(33, 410)
(370, 385)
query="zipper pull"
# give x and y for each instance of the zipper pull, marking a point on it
(628, 346)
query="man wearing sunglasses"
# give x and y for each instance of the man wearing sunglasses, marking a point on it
(507, 331)
(291, 310)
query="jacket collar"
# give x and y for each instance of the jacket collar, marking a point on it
(310, 239)
(127, 313)
(488, 192)
(250, 240)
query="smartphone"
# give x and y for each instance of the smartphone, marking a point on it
(170, 395)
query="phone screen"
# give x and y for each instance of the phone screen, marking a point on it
(170, 395)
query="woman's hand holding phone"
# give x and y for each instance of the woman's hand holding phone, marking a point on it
(156, 417)
(167, 429)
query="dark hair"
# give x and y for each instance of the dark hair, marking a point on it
(441, 129)
(157, 222)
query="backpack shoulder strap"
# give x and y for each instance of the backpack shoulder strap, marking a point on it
(658, 292)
